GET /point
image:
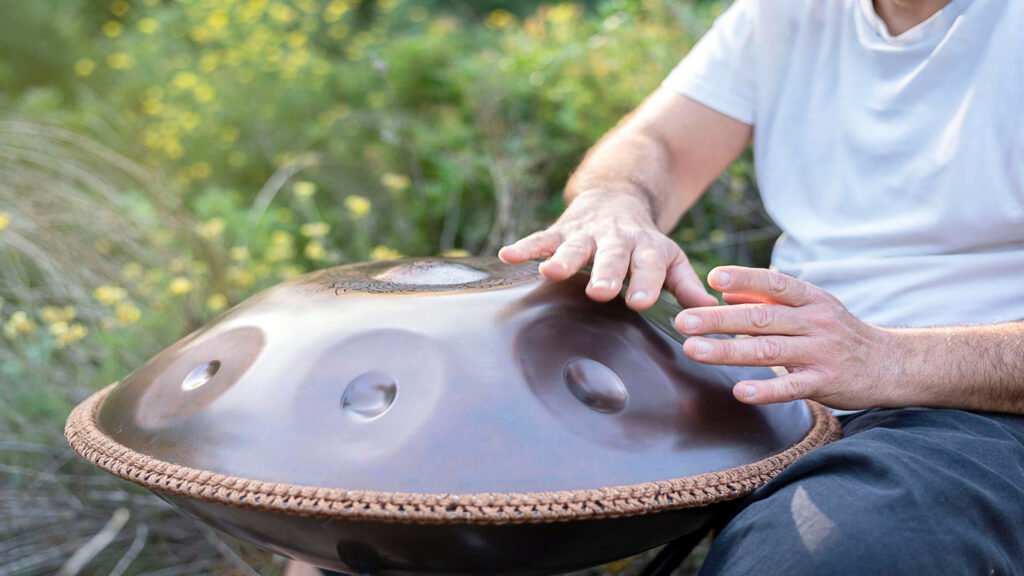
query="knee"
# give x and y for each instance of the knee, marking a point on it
(801, 531)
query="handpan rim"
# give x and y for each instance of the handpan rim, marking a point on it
(86, 438)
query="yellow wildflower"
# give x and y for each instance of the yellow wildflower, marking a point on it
(109, 294)
(281, 238)
(179, 286)
(381, 252)
(218, 20)
(19, 323)
(216, 302)
(119, 7)
(205, 93)
(131, 270)
(120, 60)
(304, 189)
(315, 229)
(127, 313)
(239, 253)
(282, 13)
(211, 229)
(292, 271)
(500, 19)
(240, 277)
(54, 314)
(315, 250)
(185, 80)
(357, 206)
(394, 182)
(112, 28)
(335, 10)
(562, 13)
(148, 26)
(152, 106)
(297, 39)
(455, 253)
(85, 67)
(72, 334)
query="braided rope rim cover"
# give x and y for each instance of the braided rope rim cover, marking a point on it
(103, 451)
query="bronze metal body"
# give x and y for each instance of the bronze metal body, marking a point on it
(441, 416)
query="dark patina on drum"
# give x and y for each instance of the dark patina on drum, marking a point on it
(441, 416)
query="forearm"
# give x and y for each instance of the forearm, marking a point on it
(970, 367)
(662, 156)
(634, 163)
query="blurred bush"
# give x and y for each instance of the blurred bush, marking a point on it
(161, 160)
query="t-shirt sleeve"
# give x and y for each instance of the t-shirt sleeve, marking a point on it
(719, 72)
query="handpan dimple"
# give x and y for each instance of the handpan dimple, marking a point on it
(369, 395)
(200, 376)
(431, 273)
(596, 385)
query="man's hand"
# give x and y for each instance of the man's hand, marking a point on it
(617, 233)
(831, 356)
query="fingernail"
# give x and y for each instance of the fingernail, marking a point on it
(749, 390)
(722, 278)
(691, 322)
(702, 347)
(638, 295)
(602, 283)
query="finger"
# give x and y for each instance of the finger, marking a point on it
(757, 351)
(610, 265)
(733, 298)
(785, 388)
(765, 284)
(537, 245)
(570, 256)
(684, 284)
(647, 269)
(750, 319)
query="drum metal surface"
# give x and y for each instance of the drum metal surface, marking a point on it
(442, 416)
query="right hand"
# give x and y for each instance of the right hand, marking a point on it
(617, 233)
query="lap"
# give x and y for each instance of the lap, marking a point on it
(906, 491)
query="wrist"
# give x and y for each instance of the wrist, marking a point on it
(910, 367)
(624, 202)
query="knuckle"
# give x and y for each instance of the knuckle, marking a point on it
(711, 319)
(777, 282)
(724, 350)
(614, 252)
(646, 258)
(769, 349)
(760, 316)
(790, 388)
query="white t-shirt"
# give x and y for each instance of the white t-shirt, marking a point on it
(893, 165)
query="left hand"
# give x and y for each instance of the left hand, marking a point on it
(830, 356)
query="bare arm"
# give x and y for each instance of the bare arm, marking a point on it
(632, 187)
(836, 359)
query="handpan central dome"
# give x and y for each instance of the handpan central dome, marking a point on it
(457, 392)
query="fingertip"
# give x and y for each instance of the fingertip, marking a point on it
(640, 300)
(510, 254)
(719, 277)
(602, 290)
(554, 270)
(747, 392)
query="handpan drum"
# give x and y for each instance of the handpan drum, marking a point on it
(447, 416)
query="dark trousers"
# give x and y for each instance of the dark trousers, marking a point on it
(908, 491)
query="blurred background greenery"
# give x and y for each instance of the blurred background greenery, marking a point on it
(162, 160)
